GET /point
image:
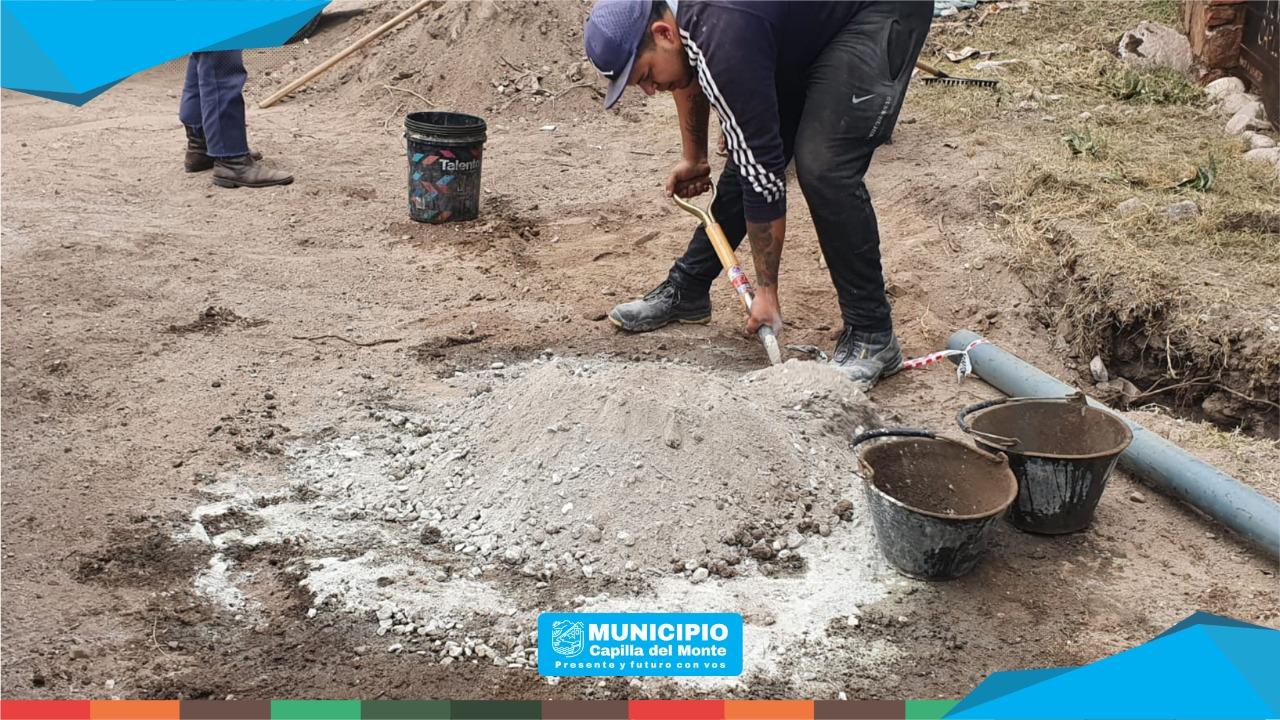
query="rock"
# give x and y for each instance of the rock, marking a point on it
(594, 315)
(1223, 408)
(1137, 497)
(1129, 208)
(761, 551)
(1257, 140)
(1099, 370)
(1182, 210)
(497, 365)
(1152, 45)
(844, 510)
(1248, 117)
(794, 540)
(1222, 87)
(361, 649)
(594, 533)
(993, 64)
(699, 575)
(672, 433)
(1028, 105)
(79, 653)
(1268, 155)
(513, 555)
(626, 539)
(1231, 104)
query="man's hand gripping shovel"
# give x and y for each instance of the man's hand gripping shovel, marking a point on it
(741, 283)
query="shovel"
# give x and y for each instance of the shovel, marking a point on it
(730, 262)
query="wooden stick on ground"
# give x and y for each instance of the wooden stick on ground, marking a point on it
(322, 67)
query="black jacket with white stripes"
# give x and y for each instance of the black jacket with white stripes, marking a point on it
(742, 52)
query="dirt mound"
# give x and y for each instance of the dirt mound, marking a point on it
(565, 476)
(470, 56)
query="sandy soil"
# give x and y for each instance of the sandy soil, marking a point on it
(125, 403)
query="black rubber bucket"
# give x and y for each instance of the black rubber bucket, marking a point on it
(1061, 450)
(445, 150)
(934, 501)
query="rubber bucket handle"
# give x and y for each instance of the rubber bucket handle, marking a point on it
(892, 432)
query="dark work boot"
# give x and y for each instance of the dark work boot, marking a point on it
(197, 158)
(242, 171)
(867, 357)
(664, 304)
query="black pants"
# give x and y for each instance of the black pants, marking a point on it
(832, 126)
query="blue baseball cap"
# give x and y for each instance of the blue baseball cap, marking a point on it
(612, 35)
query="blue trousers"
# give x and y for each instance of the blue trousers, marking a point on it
(213, 101)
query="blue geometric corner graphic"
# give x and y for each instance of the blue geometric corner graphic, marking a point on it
(1206, 666)
(74, 50)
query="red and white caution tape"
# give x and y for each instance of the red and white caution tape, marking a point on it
(963, 369)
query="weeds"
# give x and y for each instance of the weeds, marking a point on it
(1083, 142)
(1203, 177)
(1157, 87)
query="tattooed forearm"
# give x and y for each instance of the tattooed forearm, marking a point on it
(694, 122)
(766, 249)
(694, 112)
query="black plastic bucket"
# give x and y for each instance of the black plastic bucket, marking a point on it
(445, 150)
(934, 501)
(1061, 450)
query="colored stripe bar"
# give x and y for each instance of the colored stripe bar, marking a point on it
(226, 710)
(669, 709)
(133, 710)
(859, 710)
(929, 709)
(584, 710)
(768, 710)
(496, 710)
(315, 710)
(405, 710)
(44, 709)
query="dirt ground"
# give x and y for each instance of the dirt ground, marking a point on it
(164, 339)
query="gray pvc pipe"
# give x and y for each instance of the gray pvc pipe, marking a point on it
(1149, 457)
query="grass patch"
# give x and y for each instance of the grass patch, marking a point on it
(1078, 133)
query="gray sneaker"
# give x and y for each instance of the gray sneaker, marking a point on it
(664, 304)
(867, 357)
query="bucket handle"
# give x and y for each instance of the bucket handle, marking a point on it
(914, 432)
(1076, 398)
(1000, 440)
(892, 432)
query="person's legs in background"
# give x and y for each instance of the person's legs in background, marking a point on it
(189, 113)
(213, 111)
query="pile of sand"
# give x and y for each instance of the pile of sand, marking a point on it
(476, 57)
(585, 477)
